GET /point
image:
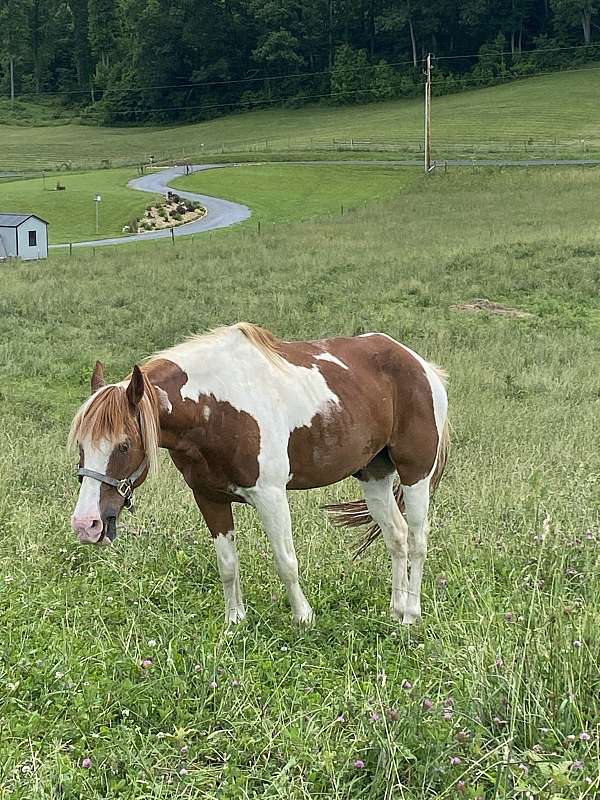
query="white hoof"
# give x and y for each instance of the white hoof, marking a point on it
(235, 615)
(305, 618)
(411, 617)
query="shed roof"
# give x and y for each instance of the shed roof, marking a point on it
(14, 220)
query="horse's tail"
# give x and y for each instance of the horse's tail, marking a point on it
(355, 513)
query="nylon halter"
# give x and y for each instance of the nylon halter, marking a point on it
(124, 487)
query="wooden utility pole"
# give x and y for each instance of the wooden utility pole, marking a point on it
(427, 148)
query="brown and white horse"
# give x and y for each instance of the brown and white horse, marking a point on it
(245, 417)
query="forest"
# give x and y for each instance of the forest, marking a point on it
(118, 62)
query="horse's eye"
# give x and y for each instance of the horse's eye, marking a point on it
(123, 447)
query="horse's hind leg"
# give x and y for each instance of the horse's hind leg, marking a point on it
(379, 497)
(416, 507)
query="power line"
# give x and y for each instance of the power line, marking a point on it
(516, 53)
(236, 103)
(469, 80)
(257, 79)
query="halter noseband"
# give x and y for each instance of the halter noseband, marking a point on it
(124, 487)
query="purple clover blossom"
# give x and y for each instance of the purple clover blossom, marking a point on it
(407, 685)
(340, 718)
(359, 763)
(461, 786)
(577, 765)
(455, 761)
(427, 704)
(86, 763)
(375, 717)
(584, 736)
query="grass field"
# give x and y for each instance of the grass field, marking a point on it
(551, 115)
(72, 213)
(317, 190)
(495, 694)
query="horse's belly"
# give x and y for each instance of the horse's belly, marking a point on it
(325, 453)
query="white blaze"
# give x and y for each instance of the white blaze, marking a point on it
(95, 457)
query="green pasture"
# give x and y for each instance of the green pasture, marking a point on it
(289, 192)
(549, 115)
(495, 695)
(72, 212)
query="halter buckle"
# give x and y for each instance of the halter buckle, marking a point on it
(125, 489)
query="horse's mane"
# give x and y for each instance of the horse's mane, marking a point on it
(107, 414)
(261, 338)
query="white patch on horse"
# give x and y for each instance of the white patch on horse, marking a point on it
(163, 400)
(332, 358)
(280, 398)
(206, 413)
(96, 458)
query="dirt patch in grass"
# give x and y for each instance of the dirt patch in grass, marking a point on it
(481, 304)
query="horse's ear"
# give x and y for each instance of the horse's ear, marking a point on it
(135, 390)
(98, 381)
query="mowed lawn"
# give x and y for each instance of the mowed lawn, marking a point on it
(289, 192)
(495, 694)
(549, 115)
(72, 212)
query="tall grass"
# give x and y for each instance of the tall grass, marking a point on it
(494, 694)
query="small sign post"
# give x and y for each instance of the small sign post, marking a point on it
(97, 201)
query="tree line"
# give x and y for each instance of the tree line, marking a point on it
(140, 61)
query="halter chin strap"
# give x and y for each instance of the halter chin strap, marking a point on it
(124, 487)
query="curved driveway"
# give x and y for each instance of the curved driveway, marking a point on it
(223, 213)
(219, 213)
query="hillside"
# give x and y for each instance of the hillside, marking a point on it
(549, 115)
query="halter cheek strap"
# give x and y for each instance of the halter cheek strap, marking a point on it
(124, 487)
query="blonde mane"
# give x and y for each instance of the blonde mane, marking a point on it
(107, 415)
(262, 339)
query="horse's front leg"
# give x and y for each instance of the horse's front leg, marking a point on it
(273, 508)
(219, 518)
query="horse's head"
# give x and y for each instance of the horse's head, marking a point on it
(116, 432)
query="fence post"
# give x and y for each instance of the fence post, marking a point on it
(258, 227)
(342, 210)
(70, 248)
(173, 236)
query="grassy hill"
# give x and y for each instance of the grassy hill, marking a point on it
(542, 116)
(497, 689)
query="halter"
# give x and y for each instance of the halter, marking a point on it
(124, 487)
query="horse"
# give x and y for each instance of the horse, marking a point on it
(246, 416)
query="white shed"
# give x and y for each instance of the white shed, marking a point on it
(23, 236)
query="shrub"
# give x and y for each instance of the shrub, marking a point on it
(181, 208)
(175, 215)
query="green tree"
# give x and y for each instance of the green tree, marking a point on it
(576, 12)
(14, 37)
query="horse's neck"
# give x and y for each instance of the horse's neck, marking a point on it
(163, 375)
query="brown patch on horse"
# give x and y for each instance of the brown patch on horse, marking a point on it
(481, 304)
(211, 443)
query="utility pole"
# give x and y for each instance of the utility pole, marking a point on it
(427, 148)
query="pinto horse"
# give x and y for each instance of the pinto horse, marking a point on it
(245, 417)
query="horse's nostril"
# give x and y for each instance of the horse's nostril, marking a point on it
(96, 523)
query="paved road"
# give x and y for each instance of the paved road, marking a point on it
(223, 213)
(220, 213)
